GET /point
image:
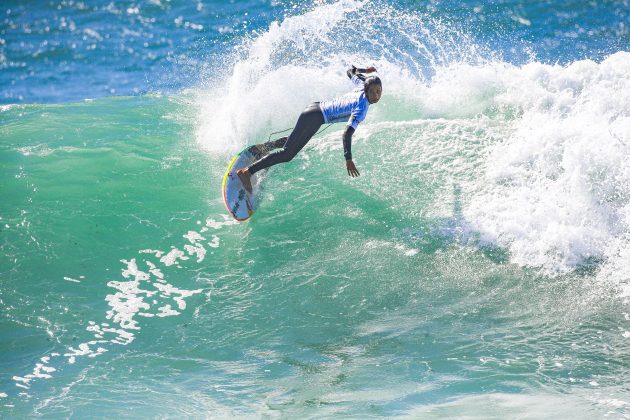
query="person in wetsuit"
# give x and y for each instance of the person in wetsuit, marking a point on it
(351, 107)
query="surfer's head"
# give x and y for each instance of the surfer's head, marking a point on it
(373, 89)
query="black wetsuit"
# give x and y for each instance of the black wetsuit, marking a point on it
(307, 125)
(309, 121)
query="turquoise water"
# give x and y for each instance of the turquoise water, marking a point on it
(477, 268)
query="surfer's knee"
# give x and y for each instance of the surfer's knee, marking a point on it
(286, 155)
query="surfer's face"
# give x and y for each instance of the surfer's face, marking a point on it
(374, 93)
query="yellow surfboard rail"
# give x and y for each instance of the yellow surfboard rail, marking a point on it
(224, 184)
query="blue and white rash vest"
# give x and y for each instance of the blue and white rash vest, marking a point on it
(353, 106)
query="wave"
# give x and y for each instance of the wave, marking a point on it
(537, 149)
(271, 76)
(556, 191)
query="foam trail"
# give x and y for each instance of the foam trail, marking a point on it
(145, 294)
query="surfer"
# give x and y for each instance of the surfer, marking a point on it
(351, 107)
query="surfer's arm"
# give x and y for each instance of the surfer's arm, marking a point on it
(356, 117)
(355, 71)
(347, 153)
(347, 142)
(355, 75)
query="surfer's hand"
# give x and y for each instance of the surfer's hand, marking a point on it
(356, 70)
(352, 170)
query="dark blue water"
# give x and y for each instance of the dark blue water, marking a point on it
(60, 51)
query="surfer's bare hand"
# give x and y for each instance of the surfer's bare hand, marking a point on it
(370, 69)
(352, 170)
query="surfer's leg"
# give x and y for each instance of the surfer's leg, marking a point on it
(265, 148)
(276, 144)
(310, 120)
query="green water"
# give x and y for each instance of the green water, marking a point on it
(355, 297)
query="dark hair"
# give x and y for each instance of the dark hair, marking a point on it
(372, 80)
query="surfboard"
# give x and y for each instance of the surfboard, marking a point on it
(239, 203)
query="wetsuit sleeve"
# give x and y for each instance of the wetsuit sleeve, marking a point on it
(358, 114)
(347, 142)
(355, 77)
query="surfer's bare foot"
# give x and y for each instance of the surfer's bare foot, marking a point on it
(246, 179)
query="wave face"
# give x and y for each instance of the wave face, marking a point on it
(479, 266)
(547, 182)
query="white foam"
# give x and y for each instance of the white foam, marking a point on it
(277, 73)
(172, 257)
(379, 244)
(132, 270)
(195, 249)
(168, 290)
(155, 252)
(193, 237)
(225, 125)
(8, 107)
(213, 224)
(41, 371)
(128, 300)
(155, 271)
(166, 310)
(215, 242)
(556, 193)
(85, 350)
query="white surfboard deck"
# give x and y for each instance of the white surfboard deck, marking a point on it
(240, 203)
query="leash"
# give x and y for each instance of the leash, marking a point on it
(291, 128)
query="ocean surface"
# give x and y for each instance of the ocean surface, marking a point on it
(478, 268)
